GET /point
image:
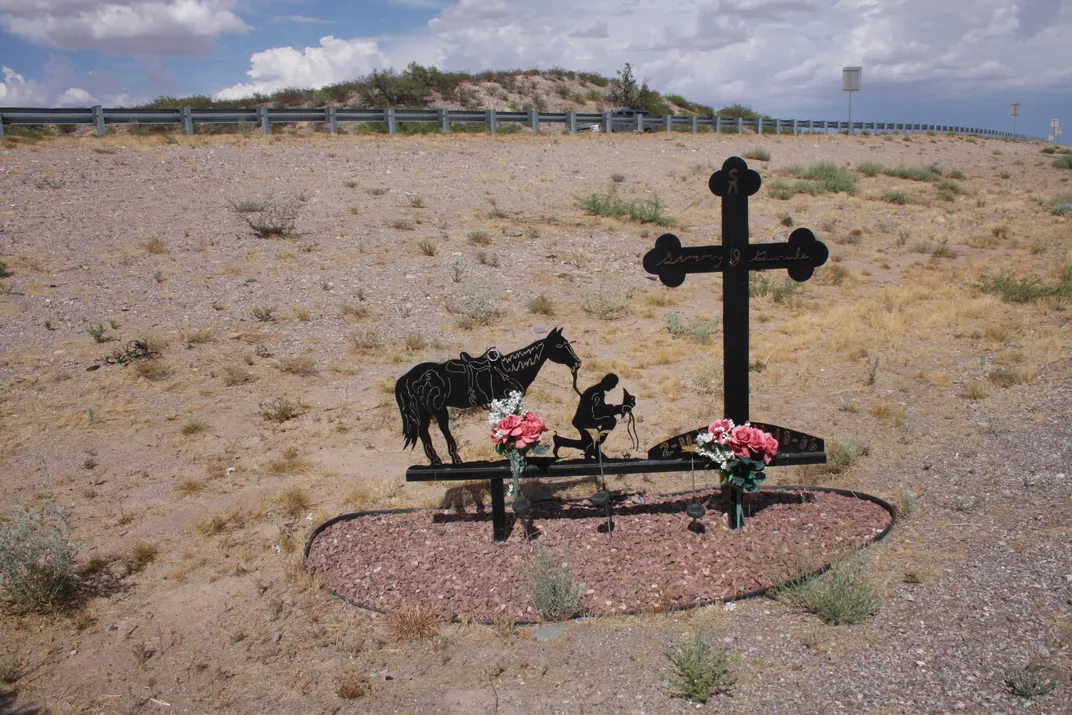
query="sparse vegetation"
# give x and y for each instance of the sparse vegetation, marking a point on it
(363, 341)
(155, 246)
(843, 453)
(97, 332)
(696, 328)
(541, 305)
(352, 686)
(846, 594)
(301, 366)
(290, 463)
(413, 623)
(604, 302)
(193, 426)
(1031, 680)
(269, 220)
(427, 246)
(263, 313)
(480, 238)
(153, 370)
(702, 666)
(140, 555)
(279, 409)
(291, 502)
(1063, 162)
(215, 524)
(551, 588)
(1026, 290)
(757, 154)
(236, 375)
(613, 206)
(474, 309)
(37, 557)
(895, 197)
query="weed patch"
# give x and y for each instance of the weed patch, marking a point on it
(36, 559)
(613, 206)
(846, 594)
(551, 588)
(413, 623)
(702, 666)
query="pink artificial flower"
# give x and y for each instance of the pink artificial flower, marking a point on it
(739, 441)
(720, 429)
(505, 429)
(771, 449)
(528, 432)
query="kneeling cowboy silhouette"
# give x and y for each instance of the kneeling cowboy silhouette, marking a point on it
(593, 412)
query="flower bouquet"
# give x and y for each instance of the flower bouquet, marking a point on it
(515, 430)
(742, 453)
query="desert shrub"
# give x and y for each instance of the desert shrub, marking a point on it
(192, 426)
(236, 375)
(291, 502)
(97, 332)
(783, 290)
(269, 220)
(1031, 680)
(279, 409)
(842, 453)
(365, 340)
(427, 246)
(895, 197)
(697, 329)
(957, 174)
(846, 594)
(913, 173)
(702, 666)
(612, 205)
(303, 366)
(476, 309)
(487, 259)
(263, 313)
(227, 520)
(3, 270)
(1063, 162)
(604, 303)
(822, 178)
(153, 370)
(37, 558)
(976, 390)
(480, 238)
(869, 168)
(757, 154)
(552, 590)
(1026, 290)
(541, 305)
(1060, 205)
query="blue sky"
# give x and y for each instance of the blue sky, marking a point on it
(936, 61)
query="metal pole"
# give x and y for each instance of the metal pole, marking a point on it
(571, 116)
(850, 113)
(389, 117)
(693, 123)
(187, 120)
(493, 122)
(262, 112)
(333, 121)
(98, 119)
(1, 126)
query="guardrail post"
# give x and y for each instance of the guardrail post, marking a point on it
(444, 121)
(740, 125)
(1, 126)
(571, 116)
(759, 126)
(778, 127)
(669, 122)
(606, 122)
(639, 120)
(187, 120)
(694, 120)
(333, 120)
(718, 124)
(794, 127)
(262, 119)
(534, 121)
(98, 119)
(493, 122)
(389, 117)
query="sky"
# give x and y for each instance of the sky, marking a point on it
(958, 62)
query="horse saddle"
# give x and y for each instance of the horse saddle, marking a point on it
(478, 374)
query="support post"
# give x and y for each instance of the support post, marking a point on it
(759, 126)
(493, 122)
(187, 120)
(98, 119)
(571, 117)
(262, 116)
(498, 509)
(694, 120)
(534, 121)
(778, 127)
(740, 125)
(606, 123)
(795, 127)
(444, 121)
(333, 120)
(669, 123)
(389, 117)
(639, 123)
(1, 125)
(718, 124)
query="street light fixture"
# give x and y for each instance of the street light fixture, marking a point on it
(1014, 110)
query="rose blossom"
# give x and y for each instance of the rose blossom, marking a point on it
(505, 429)
(528, 432)
(720, 428)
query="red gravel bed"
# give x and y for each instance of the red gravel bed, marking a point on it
(650, 561)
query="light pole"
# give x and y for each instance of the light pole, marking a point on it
(1014, 110)
(1055, 130)
(850, 82)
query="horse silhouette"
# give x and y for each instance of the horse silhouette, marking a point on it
(428, 389)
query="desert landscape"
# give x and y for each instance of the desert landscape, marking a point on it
(283, 283)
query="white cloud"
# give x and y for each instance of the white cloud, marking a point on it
(778, 55)
(139, 27)
(335, 60)
(17, 91)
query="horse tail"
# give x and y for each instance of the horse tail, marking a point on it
(410, 417)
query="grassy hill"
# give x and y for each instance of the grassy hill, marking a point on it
(554, 90)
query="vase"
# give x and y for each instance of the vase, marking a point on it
(517, 468)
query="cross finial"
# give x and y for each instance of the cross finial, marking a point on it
(734, 179)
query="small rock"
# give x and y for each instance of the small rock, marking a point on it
(277, 636)
(549, 632)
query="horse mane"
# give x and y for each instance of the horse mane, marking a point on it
(524, 357)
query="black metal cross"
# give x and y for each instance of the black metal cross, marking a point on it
(735, 258)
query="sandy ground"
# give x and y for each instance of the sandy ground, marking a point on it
(957, 396)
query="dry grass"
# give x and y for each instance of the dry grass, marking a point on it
(413, 623)
(140, 555)
(196, 337)
(302, 366)
(190, 487)
(290, 463)
(224, 521)
(236, 375)
(292, 502)
(153, 370)
(193, 426)
(155, 246)
(352, 686)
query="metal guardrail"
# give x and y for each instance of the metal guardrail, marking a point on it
(265, 117)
